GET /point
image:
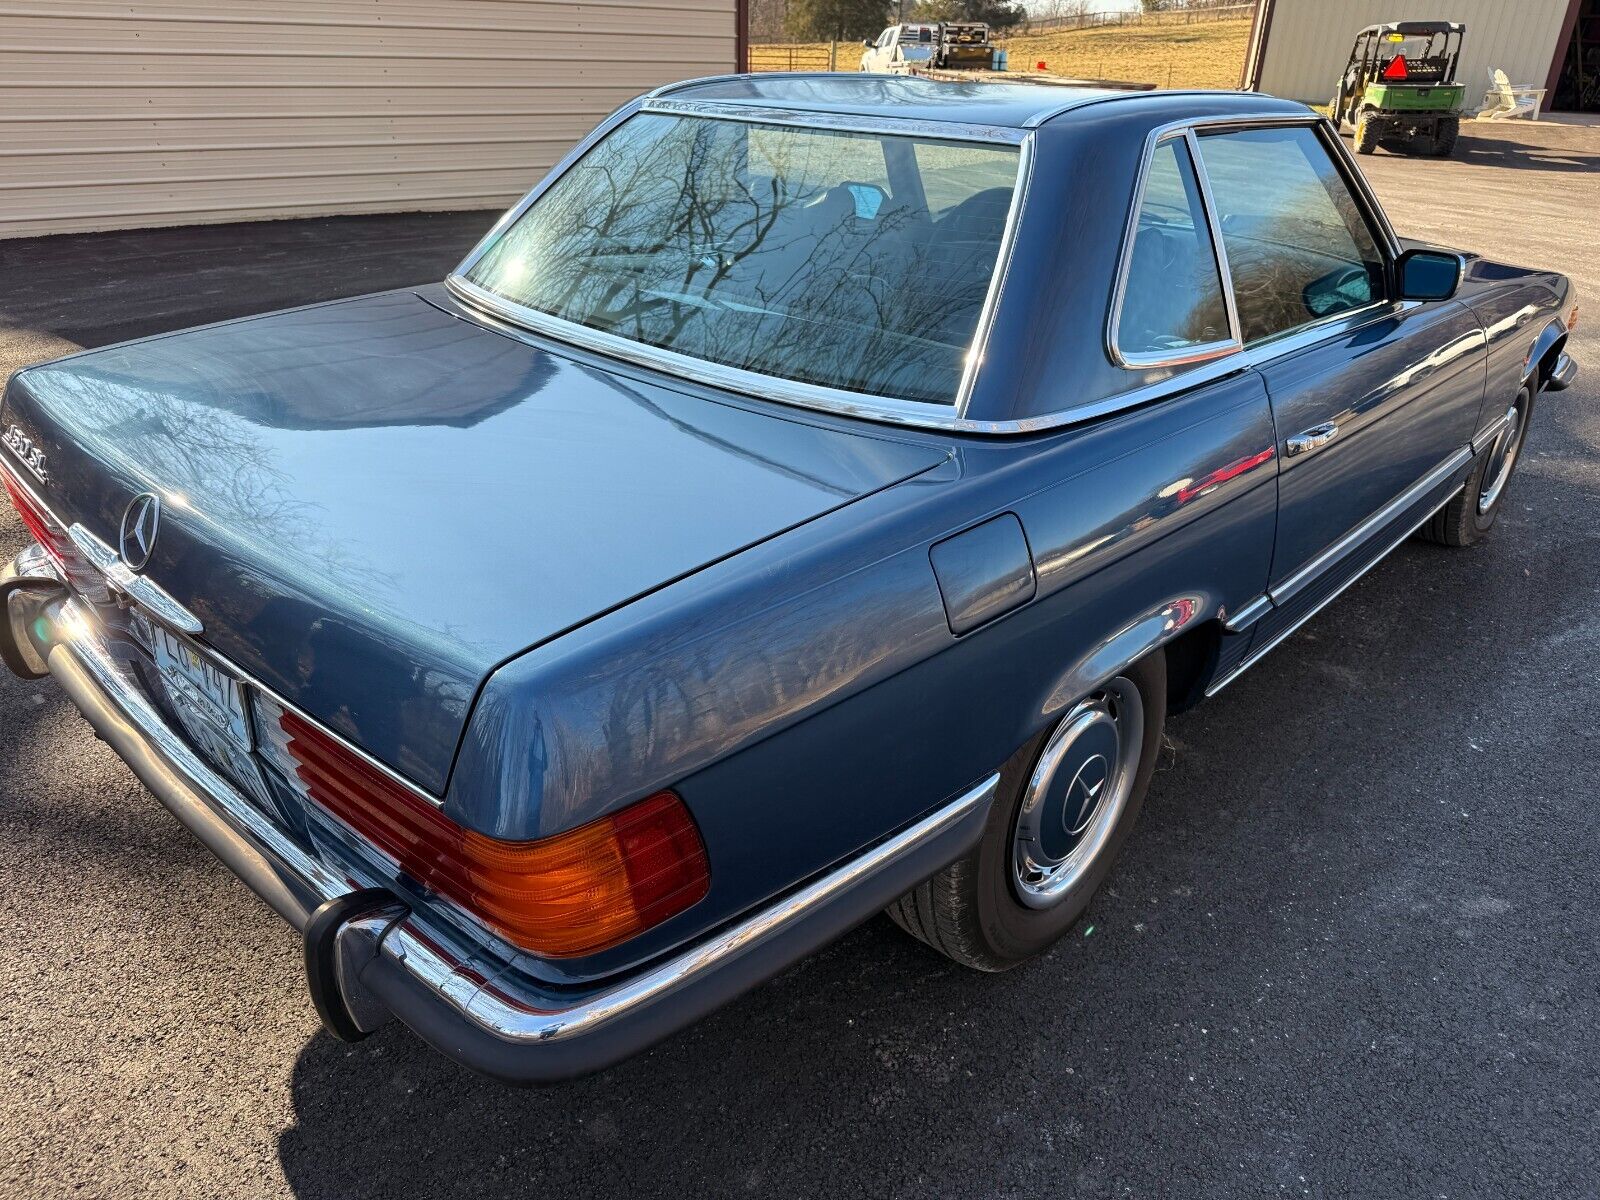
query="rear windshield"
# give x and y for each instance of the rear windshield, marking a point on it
(857, 261)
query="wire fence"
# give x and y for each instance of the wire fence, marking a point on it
(1043, 20)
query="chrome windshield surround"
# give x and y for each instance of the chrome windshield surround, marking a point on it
(914, 413)
(1191, 131)
(765, 114)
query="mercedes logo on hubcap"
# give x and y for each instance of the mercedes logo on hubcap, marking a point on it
(1083, 794)
(141, 521)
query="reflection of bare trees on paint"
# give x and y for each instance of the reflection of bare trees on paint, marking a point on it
(192, 450)
(778, 251)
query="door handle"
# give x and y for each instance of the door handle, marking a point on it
(1317, 435)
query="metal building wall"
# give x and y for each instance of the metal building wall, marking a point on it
(1308, 41)
(126, 113)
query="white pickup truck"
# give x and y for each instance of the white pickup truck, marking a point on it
(904, 49)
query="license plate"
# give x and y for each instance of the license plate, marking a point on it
(198, 687)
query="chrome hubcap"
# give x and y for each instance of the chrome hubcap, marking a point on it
(1502, 457)
(1077, 793)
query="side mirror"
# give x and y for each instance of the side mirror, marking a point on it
(1429, 274)
(868, 43)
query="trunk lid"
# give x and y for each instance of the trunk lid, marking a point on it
(372, 503)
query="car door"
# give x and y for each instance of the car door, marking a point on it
(873, 59)
(1375, 400)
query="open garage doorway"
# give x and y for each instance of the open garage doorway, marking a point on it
(1575, 75)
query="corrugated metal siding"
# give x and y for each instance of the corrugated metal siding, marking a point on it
(1309, 41)
(116, 115)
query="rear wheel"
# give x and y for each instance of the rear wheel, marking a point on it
(1369, 129)
(1469, 516)
(1066, 803)
(1444, 139)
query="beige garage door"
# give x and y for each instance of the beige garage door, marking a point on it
(118, 114)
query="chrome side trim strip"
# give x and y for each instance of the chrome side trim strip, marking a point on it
(1489, 432)
(1260, 652)
(1248, 615)
(149, 594)
(498, 1012)
(1283, 592)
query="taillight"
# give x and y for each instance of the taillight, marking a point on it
(57, 544)
(573, 893)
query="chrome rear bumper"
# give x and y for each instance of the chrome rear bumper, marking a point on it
(389, 959)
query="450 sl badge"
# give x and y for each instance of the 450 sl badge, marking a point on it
(30, 455)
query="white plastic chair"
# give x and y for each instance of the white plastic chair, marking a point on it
(1506, 100)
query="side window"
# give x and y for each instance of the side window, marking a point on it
(1298, 246)
(1172, 297)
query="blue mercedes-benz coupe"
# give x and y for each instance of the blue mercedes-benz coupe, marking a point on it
(810, 499)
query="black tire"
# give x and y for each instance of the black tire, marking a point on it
(971, 912)
(1444, 141)
(1369, 131)
(1467, 518)
(1335, 113)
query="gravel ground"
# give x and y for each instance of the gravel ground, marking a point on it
(1351, 949)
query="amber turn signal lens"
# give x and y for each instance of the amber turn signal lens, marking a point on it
(574, 893)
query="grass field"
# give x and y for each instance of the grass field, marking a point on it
(1208, 54)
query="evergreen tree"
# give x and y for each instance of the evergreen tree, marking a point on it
(836, 20)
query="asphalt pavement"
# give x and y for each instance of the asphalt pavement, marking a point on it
(1351, 949)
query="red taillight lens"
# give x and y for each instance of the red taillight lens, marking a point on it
(57, 544)
(574, 893)
(43, 530)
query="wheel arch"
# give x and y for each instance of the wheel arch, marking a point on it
(1544, 353)
(1185, 627)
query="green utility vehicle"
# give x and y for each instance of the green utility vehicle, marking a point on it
(1399, 88)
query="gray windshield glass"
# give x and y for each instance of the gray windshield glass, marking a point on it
(857, 261)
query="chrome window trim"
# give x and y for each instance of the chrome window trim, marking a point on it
(936, 417)
(1200, 351)
(900, 411)
(1191, 130)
